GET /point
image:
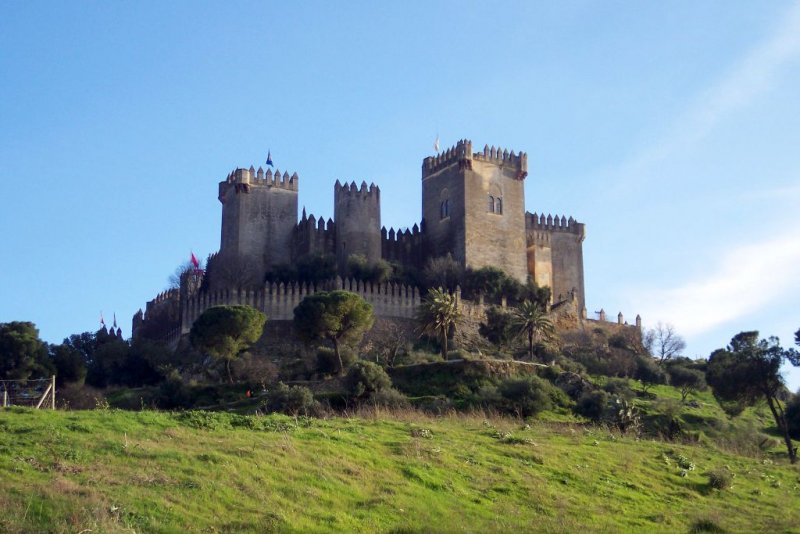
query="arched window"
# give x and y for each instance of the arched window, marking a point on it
(498, 205)
(491, 204)
(444, 204)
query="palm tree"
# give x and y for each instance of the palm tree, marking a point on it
(438, 315)
(531, 318)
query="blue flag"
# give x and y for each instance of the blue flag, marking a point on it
(269, 158)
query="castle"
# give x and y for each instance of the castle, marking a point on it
(473, 209)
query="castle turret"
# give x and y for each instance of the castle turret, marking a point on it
(259, 212)
(357, 212)
(473, 207)
(555, 254)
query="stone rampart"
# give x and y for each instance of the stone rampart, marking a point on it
(278, 301)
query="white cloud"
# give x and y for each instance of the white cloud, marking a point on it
(745, 280)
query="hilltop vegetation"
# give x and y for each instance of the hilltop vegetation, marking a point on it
(519, 423)
(112, 471)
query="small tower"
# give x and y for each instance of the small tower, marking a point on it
(357, 212)
(259, 212)
(473, 207)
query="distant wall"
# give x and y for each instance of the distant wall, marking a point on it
(278, 301)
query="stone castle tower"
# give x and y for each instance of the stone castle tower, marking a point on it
(259, 212)
(357, 212)
(473, 206)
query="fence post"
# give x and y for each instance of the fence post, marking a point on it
(5, 397)
(53, 393)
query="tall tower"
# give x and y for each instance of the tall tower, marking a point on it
(357, 216)
(259, 212)
(473, 207)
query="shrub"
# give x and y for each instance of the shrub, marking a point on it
(366, 378)
(528, 396)
(593, 405)
(793, 417)
(720, 479)
(172, 392)
(389, 398)
(619, 387)
(327, 362)
(294, 400)
(499, 327)
(706, 525)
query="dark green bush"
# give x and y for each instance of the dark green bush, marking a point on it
(619, 387)
(793, 416)
(720, 479)
(593, 405)
(172, 392)
(366, 378)
(529, 396)
(389, 398)
(294, 400)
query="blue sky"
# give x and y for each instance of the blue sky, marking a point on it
(671, 129)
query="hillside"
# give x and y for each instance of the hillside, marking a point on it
(113, 471)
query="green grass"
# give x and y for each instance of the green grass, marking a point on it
(113, 471)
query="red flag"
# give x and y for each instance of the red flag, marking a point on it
(195, 262)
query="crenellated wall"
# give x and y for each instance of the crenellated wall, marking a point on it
(278, 301)
(402, 246)
(314, 236)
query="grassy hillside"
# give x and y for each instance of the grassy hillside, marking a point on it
(112, 471)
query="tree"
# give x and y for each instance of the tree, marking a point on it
(339, 316)
(531, 319)
(70, 364)
(748, 371)
(499, 327)
(663, 342)
(649, 373)
(224, 332)
(360, 268)
(22, 353)
(438, 315)
(687, 380)
(443, 272)
(174, 280)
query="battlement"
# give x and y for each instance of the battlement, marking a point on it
(501, 156)
(461, 152)
(534, 221)
(312, 223)
(400, 235)
(353, 189)
(278, 301)
(251, 176)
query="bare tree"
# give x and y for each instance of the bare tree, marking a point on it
(663, 342)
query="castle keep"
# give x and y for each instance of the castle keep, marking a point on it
(473, 209)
